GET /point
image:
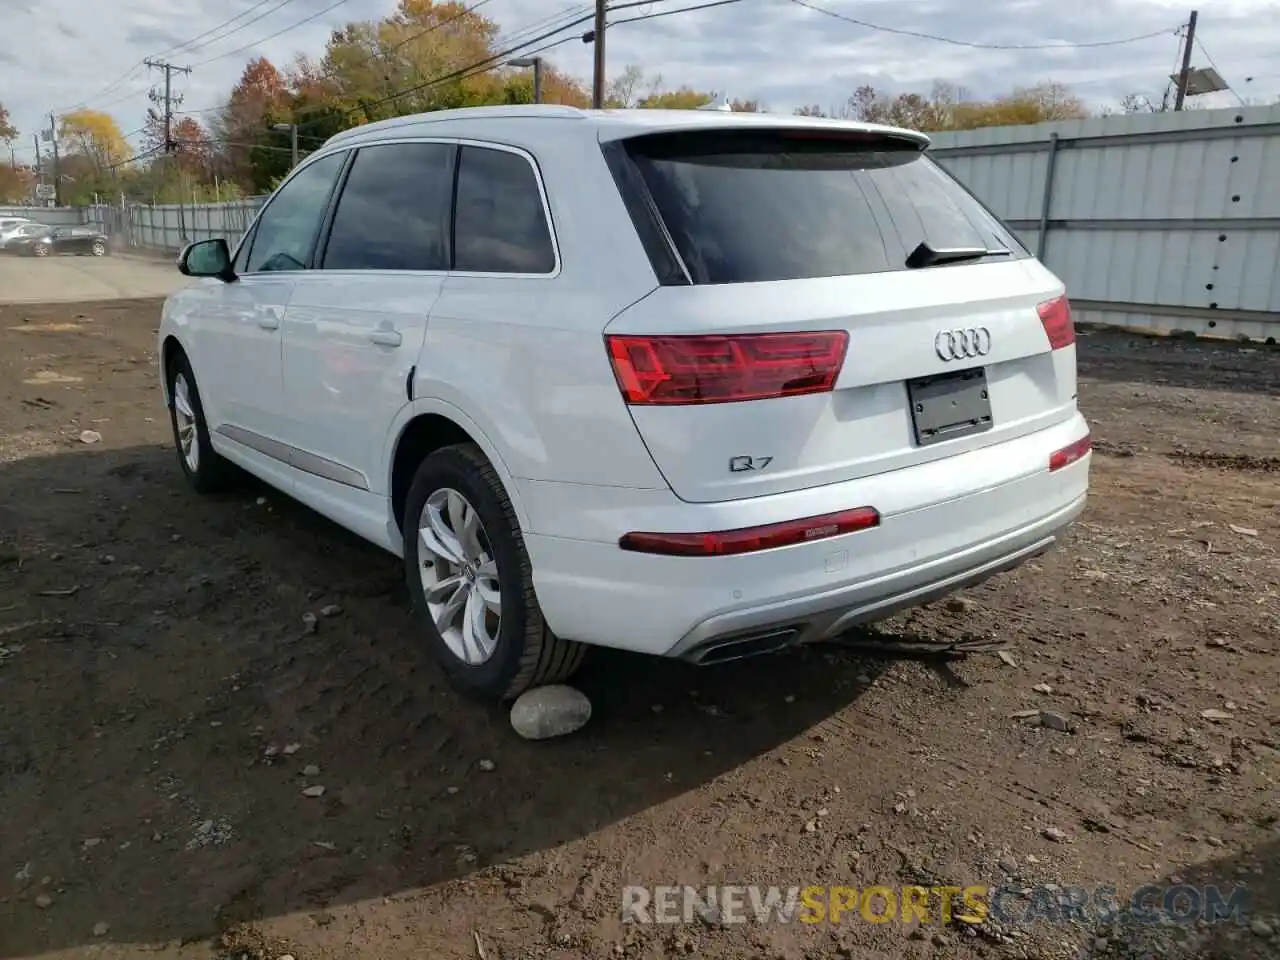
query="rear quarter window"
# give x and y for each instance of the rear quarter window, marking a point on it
(778, 205)
(500, 223)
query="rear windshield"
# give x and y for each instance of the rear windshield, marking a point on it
(745, 207)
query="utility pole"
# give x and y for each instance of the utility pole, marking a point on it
(57, 180)
(293, 138)
(1185, 72)
(169, 70)
(35, 138)
(597, 79)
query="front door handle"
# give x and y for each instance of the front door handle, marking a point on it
(268, 322)
(386, 337)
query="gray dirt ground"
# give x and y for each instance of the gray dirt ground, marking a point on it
(67, 279)
(154, 668)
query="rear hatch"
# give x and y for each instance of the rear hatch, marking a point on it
(833, 305)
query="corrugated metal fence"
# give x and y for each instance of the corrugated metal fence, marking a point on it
(167, 228)
(51, 216)
(1168, 221)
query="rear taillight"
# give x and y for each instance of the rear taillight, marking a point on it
(1070, 453)
(1055, 315)
(720, 369)
(751, 539)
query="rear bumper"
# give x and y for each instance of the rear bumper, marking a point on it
(944, 526)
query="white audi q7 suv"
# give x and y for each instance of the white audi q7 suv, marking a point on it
(695, 384)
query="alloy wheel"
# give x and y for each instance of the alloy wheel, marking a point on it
(185, 415)
(459, 576)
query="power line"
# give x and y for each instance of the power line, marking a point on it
(480, 65)
(124, 77)
(667, 13)
(107, 89)
(975, 44)
(493, 61)
(136, 157)
(190, 46)
(421, 33)
(278, 33)
(1234, 92)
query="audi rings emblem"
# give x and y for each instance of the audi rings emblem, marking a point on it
(962, 344)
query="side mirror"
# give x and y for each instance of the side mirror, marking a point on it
(207, 258)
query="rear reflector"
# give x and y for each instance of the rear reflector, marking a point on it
(751, 539)
(722, 369)
(1070, 453)
(1055, 315)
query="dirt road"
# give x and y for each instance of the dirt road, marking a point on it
(162, 710)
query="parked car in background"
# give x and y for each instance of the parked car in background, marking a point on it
(20, 232)
(10, 224)
(694, 384)
(78, 240)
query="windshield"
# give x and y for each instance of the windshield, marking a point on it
(782, 205)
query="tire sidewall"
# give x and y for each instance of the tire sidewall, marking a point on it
(201, 477)
(450, 468)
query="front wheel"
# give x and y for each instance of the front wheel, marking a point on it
(471, 581)
(41, 250)
(204, 469)
(99, 248)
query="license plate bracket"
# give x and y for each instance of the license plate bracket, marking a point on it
(949, 405)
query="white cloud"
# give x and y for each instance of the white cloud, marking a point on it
(73, 51)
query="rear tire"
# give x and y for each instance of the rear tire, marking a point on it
(495, 643)
(40, 250)
(99, 248)
(204, 469)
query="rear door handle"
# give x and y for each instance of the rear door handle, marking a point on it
(385, 338)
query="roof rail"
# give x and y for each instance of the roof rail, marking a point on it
(531, 111)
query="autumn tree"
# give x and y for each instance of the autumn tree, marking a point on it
(259, 99)
(630, 87)
(95, 136)
(8, 132)
(15, 183)
(92, 149)
(683, 98)
(557, 87)
(411, 61)
(947, 107)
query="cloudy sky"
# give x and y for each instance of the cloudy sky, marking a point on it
(58, 54)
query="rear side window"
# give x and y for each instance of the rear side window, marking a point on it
(500, 224)
(394, 210)
(772, 205)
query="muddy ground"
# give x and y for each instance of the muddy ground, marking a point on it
(161, 703)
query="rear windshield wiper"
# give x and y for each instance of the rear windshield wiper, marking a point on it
(927, 256)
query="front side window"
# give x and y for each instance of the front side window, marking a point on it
(286, 232)
(500, 224)
(394, 210)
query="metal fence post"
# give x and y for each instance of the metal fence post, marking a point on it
(1051, 164)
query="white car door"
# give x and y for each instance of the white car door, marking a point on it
(355, 326)
(238, 352)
